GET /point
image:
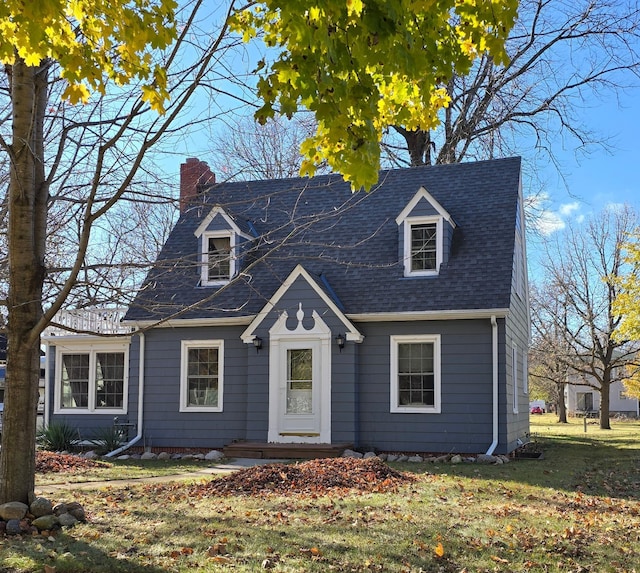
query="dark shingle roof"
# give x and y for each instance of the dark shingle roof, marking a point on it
(350, 239)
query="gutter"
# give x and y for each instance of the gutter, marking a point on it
(141, 366)
(494, 348)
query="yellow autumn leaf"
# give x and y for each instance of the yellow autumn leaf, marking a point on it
(76, 93)
(439, 551)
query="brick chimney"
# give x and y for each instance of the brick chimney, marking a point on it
(192, 174)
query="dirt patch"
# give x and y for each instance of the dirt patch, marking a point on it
(317, 477)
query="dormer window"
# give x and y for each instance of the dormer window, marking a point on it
(219, 258)
(218, 263)
(422, 246)
(220, 242)
(425, 229)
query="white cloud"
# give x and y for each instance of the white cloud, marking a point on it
(568, 208)
(547, 221)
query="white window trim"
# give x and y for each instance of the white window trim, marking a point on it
(403, 339)
(92, 350)
(184, 385)
(514, 374)
(408, 223)
(204, 257)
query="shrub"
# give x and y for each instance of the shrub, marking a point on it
(58, 437)
(107, 439)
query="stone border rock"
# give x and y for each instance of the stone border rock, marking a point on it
(39, 517)
(211, 456)
(445, 458)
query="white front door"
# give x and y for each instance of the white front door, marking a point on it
(300, 384)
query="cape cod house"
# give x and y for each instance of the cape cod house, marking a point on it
(296, 311)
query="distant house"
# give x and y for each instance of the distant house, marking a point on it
(582, 399)
(295, 311)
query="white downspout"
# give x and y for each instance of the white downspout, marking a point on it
(47, 400)
(138, 436)
(494, 348)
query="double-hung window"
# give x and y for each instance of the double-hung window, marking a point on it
(201, 376)
(422, 246)
(92, 380)
(217, 258)
(415, 374)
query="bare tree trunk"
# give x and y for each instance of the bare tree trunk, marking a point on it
(26, 240)
(605, 421)
(418, 145)
(562, 406)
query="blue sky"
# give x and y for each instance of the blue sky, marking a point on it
(605, 177)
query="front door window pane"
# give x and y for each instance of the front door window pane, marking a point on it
(299, 381)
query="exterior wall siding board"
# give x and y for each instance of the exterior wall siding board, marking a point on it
(458, 427)
(423, 209)
(164, 424)
(516, 331)
(88, 425)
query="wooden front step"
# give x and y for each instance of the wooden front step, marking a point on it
(261, 450)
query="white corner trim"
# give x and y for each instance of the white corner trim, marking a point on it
(421, 194)
(352, 332)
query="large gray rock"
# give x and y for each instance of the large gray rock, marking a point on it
(67, 520)
(214, 456)
(164, 456)
(351, 454)
(148, 456)
(41, 506)
(75, 509)
(13, 527)
(46, 522)
(13, 510)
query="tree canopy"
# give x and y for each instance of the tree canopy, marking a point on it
(627, 303)
(93, 42)
(362, 67)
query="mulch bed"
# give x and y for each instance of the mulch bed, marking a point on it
(315, 477)
(52, 462)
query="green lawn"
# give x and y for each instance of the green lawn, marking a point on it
(577, 510)
(119, 470)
